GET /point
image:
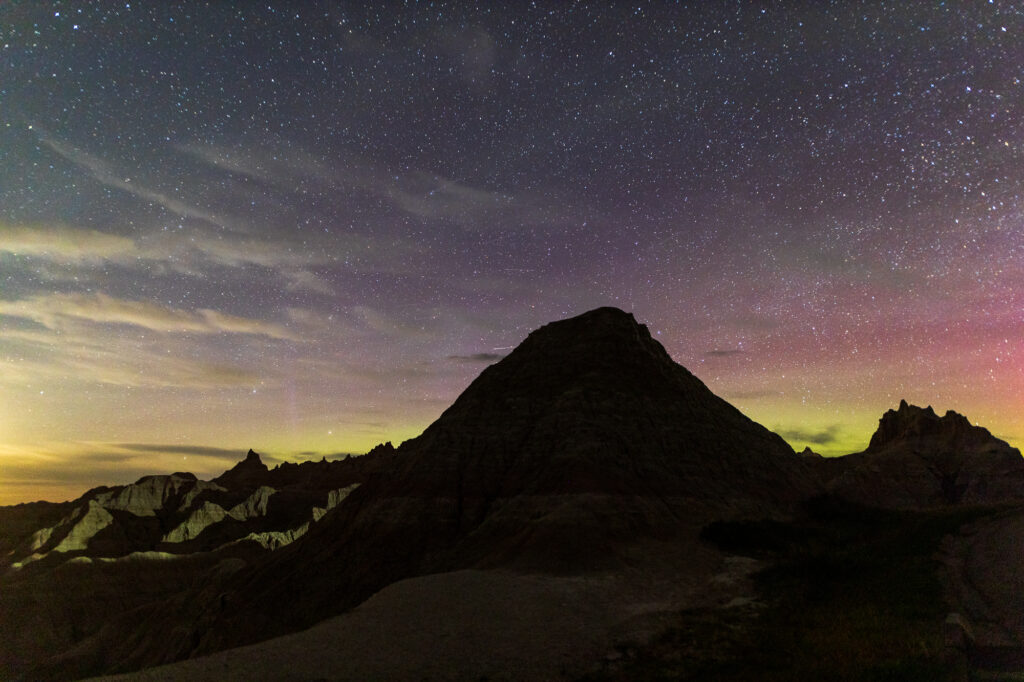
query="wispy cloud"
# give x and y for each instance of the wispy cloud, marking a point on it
(97, 338)
(826, 436)
(312, 455)
(414, 191)
(52, 310)
(194, 252)
(1008, 438)
(388, 323)
(430, 196)
(106, 173)
(82, 470)
(233, 251)
(306, 280)
(66, 470)
(113, 361)
(177, 449)
(64, 245)
(220, 232)
(724, 353)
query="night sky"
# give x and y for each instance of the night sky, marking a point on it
(306, 227)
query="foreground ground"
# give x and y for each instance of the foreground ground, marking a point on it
(845, 593)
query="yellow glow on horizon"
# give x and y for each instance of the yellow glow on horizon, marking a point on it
(57, 471)
(27, 472)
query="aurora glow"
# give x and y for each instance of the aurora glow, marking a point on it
(304, 228)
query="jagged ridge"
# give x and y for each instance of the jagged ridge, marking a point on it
(917, 459)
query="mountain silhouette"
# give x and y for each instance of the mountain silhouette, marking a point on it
(250, 472)
(583, 488)
(582, 441)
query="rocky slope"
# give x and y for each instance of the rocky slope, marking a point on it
(179, 514)
(917, 460)
(68, 565)
(26, 527)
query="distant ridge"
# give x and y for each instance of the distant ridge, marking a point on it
(250, 471)
(917, 459)
(920, 429)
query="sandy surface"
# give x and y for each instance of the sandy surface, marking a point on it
(473, 625)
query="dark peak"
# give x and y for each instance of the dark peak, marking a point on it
(589, 394)
(247, 472)
(913, 425)
(382, 449)
(597, 322)
(907, 408)
(252, 462)
(607, 333)
(609, 314)
(601, 352)
(908, 411)
(809, 454)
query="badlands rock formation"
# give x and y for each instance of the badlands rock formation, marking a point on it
(584, 442)
(580, 471)
(199, 519)
(917, 460)
(178, 513)
(87, 571)
(148, 495)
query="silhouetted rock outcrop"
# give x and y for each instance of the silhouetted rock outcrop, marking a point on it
(250, 472)
(915, 429)
(917, 459)
(382, 449)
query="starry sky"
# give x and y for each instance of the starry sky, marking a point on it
(306, 227)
